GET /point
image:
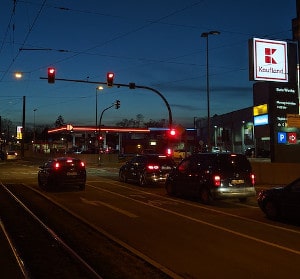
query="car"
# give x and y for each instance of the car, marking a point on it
(211, 176)
(147, 169)
(2, 155)
(11, 155)
(180, 154)
(62, 171)
(281, 201)
(215, 149)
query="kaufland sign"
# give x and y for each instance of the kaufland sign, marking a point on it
(270, 61)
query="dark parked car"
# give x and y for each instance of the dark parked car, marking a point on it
(281, 202)
(62, 171)
(210, 176)
(147, 169)
(2, 155)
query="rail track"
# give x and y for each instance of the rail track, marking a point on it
(49, 242)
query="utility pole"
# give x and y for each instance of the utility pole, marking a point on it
(23, 128)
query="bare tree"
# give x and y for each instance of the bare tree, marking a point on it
(59, 121)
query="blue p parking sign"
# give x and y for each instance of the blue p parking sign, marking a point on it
(281, 137)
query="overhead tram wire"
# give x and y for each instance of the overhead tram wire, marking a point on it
(9, 23)
(128, 32)
(24, 41)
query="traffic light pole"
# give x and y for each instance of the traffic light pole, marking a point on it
(99, 131)
(131, 86)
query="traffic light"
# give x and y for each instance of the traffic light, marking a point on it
(110, 79)
(51, 75)
(172, 133)
(117, 104)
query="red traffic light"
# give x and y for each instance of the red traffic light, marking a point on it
(172, 132)
(110, 79)
(51, 75)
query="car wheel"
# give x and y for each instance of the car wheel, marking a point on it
(50, 184)
(170, 189)
(271, 210)
(40, 183)
(142, 179)
(205, 195)
(122, 176)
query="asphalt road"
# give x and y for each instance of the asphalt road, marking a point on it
(181, 237)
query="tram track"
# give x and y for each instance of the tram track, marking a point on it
(52, 243)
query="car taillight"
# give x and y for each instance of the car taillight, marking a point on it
(217, 180)
(56, 166)
(252, 176)
(152, 167)
(82, 164)
(169, 152)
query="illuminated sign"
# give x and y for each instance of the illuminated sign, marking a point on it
(293, 120)
(261, 109)
(269, 60)
(292, 138)
(283, 137)
(284, 101)
(19, 132)
(261, 120)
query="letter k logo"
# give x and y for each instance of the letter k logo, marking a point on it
(269, 52)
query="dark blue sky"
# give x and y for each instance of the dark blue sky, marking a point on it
(153, 43)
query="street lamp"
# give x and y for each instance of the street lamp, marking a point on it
(18, 75)
(206, 35)
(34, 125)
(97, 88)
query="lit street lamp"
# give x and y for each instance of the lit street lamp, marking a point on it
(18, 75)
(206, 35)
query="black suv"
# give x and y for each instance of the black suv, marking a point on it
(210, 176)
(147, 169)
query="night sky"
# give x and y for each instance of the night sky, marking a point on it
(152, 43)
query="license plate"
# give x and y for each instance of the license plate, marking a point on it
(237, 181)
(165, 168)
(72, 173)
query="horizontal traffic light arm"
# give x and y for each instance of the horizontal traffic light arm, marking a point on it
(130, 85)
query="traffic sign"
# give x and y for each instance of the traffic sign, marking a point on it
(293, 120)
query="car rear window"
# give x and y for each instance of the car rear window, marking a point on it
(161, 160)
(69, 162)
(233, 162)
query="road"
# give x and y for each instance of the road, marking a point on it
(181, 237)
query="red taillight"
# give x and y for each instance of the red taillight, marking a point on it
(56, 166)
(152, 167)
(252, 176)
(217, 180)
(169, 152)
(82, 164)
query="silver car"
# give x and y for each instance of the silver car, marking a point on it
(210, 176)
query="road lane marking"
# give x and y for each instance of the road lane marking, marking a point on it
(205, 208)
(297, 252)
(97, 203)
